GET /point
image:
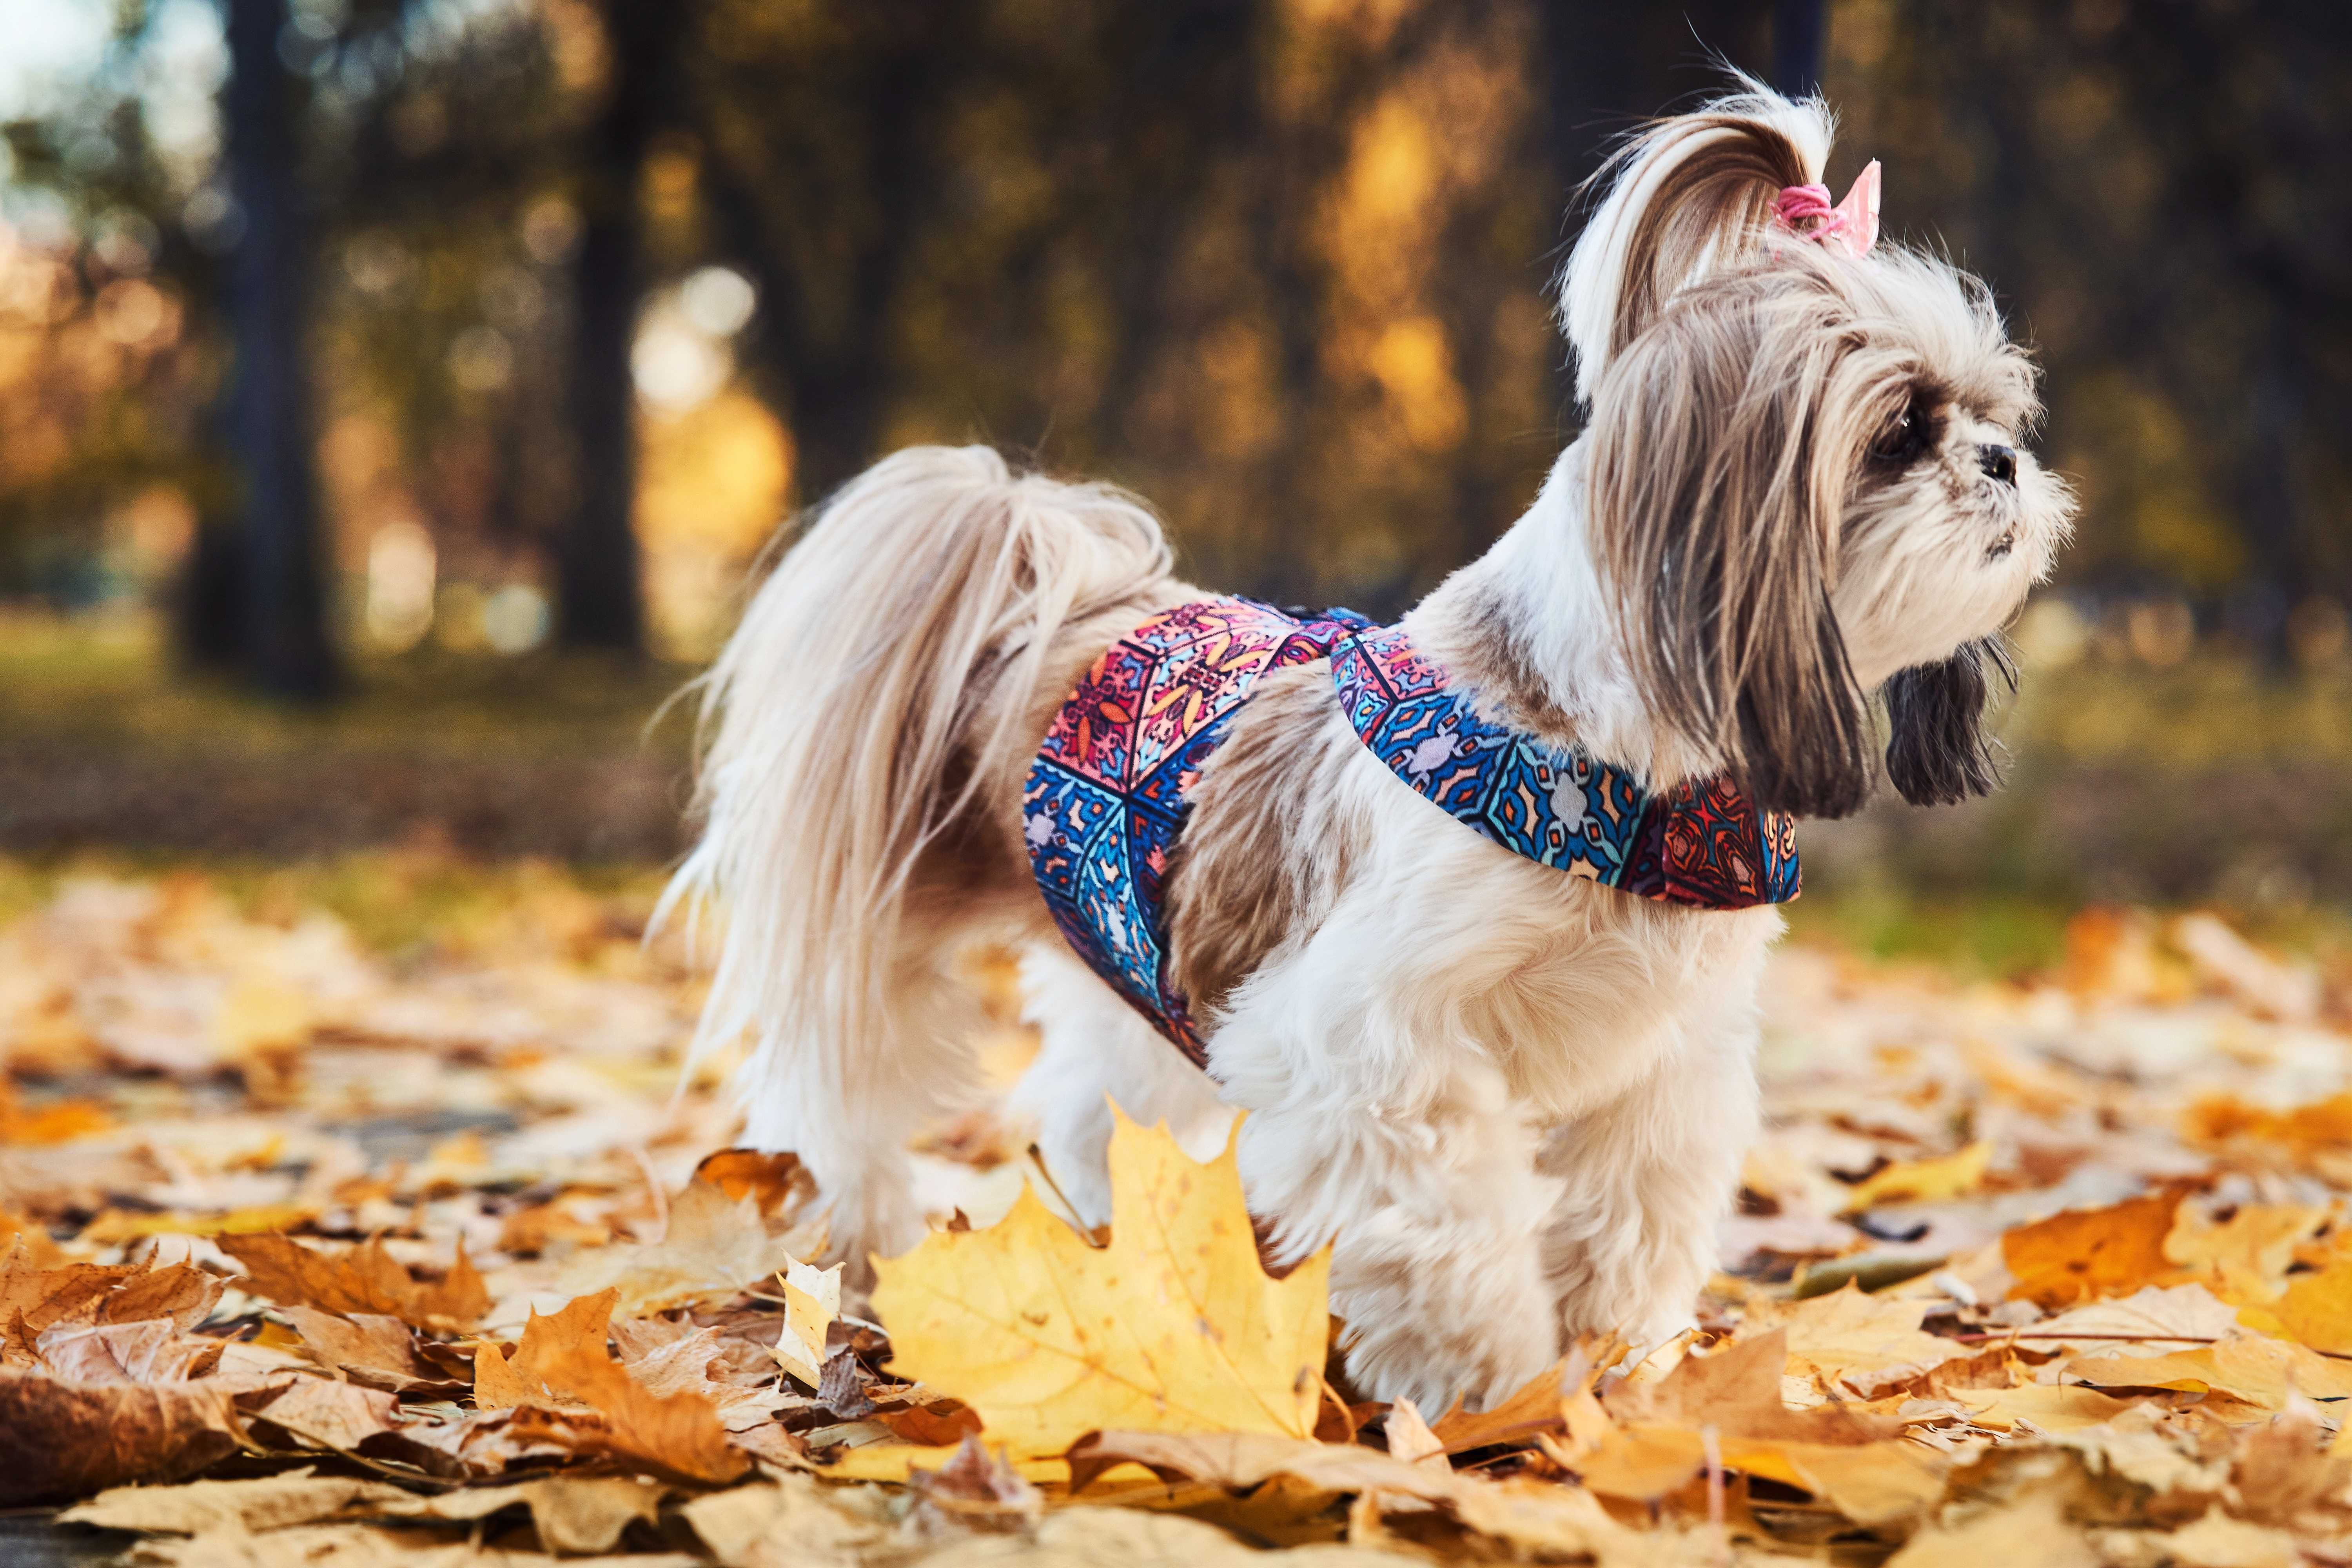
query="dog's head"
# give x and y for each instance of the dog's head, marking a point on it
(1806, 470)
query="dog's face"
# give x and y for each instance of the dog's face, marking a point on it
(1808, 475)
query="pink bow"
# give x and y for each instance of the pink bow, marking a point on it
(1851, 225)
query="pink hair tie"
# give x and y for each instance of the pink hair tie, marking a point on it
(1851, 225)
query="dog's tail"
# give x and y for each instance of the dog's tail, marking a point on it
(878, 680)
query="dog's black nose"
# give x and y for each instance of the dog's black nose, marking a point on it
(1999, 461)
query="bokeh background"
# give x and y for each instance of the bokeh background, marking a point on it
(395, 394)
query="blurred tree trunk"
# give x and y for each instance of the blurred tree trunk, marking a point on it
(1799, 41)
(287, 647)
(599, 595)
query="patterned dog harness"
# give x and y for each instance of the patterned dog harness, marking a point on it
(1106, 798)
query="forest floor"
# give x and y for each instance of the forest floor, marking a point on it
(351, 1214)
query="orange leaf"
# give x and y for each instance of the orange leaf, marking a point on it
(362, 1278)
(563, 1358)
(2085, 1255)
(772, 1179)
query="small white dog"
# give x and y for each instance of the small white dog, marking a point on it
(1506, 1072)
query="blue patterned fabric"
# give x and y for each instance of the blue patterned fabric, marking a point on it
(1107, 797)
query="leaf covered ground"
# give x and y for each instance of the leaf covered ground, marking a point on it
(389, 1236)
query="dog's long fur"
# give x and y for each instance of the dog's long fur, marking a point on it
(1512, 1101)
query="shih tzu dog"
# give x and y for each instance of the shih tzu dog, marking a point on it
(1466, 914)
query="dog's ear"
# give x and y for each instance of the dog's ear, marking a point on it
(1683, 198)
(1938, 752)
(1721, 449)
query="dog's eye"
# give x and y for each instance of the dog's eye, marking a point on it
(1903, 442)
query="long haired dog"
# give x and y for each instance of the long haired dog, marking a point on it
(1502, 1064)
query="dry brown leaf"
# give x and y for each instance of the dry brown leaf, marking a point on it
(1853, 1460)
(1540, 1406)
(975, 1489)
(1853, 1344)
(791, 1522)
(363, 1278)
(368, 1347)
(1546, 1520)
(2085, 1255)
(151, 1350)
(257, 1503)
(41, 1297)
(323, 1413)
(562, 1359)
(1409, 1436)
(715, 1247)
(574, 1514)
(62, 1439)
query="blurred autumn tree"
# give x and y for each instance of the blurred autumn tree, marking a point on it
(590, 278)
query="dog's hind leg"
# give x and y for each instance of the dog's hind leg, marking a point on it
(849, 1109)
(1098, 1049)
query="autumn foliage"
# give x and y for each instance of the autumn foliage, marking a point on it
(312, 1256)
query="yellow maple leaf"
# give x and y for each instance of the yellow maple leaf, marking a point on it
(2244, 1258)
(2316, 1307)
(1936, 1181)
(1173, 1327)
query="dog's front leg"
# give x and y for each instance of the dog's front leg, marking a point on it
(1646, 1181)
(1434, 1217)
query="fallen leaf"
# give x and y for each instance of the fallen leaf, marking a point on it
(2033, 1530)
(117, 1225)
(773, 1181)
(715, 1247)
(1936, 1181)
(574, 1514)
(2047, 1408)
(2083, 1254)
(1855, 1461)
(2258, 1369)
(1540, 1406)
(1555, 1521)
(325, 1413)
(60, 1438)
(2244, 1258)
(154, 1349)
(2315, 1308)
(368, 1348)
(257, 1503)
(361, 1278)
(1174, 1326)
(1857, 1343)
(2161, 1316)
(563, 1358)
(812, 1301)
(788, 1522)
(1409, 1436)
(976, 1489)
